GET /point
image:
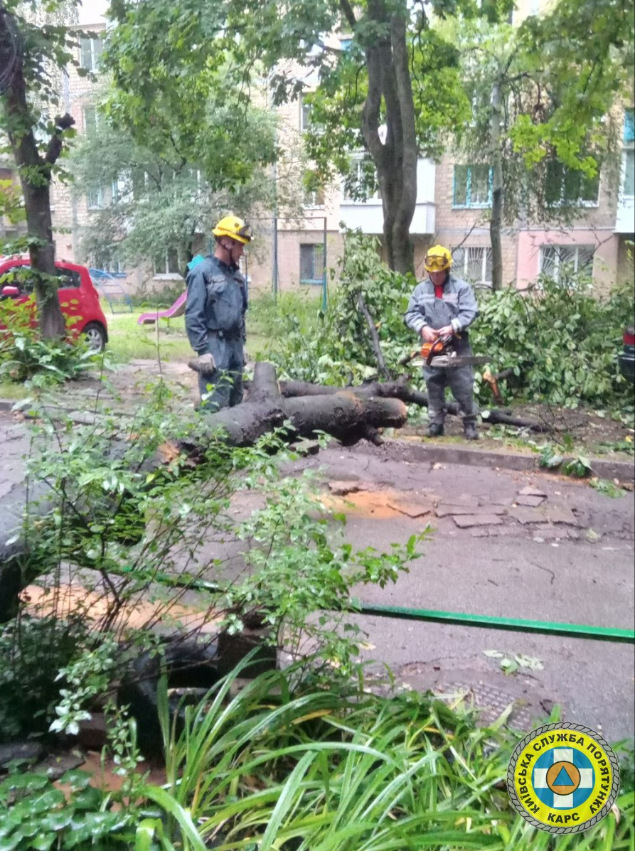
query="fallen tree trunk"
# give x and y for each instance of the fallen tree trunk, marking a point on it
(349, 414)
(407, 394)
(345, 413)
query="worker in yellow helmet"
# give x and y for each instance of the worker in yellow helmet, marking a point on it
(444, 306)
(215, 316)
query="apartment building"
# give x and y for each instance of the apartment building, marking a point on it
(453, 203)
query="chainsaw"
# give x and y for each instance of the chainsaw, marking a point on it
(442, 354)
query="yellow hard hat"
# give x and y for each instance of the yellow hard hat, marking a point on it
(233, 227)
(437, 259)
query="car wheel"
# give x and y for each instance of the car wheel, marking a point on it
(95, 336)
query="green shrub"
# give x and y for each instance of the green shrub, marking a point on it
(284, 765)
(157, 298)
(32, 651)
(560, 342)
(24, 356)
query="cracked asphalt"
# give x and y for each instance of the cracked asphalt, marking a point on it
(504, 543)
(566, 557)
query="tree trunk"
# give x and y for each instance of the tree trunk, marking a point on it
(497, 188)
(390, 91)
(35, 177)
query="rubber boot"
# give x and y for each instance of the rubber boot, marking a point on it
(435, 430)
(470, 432)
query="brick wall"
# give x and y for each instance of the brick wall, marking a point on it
(468, 227)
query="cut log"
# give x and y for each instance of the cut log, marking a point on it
(343, 414)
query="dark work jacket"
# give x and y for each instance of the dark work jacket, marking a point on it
(216, 303)
(457, 308)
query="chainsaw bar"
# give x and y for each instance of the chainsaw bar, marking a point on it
(449, 362)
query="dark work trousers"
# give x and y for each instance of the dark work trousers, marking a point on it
(224, 387)
(460, 380)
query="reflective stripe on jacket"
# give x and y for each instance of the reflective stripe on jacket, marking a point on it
(457, 307)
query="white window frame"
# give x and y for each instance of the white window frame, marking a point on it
(97, 195)
(628, 151)
(94, 54)
(166, 274)
(97, 122)
(559, 247)
(578, 202)
(305, 121)
(461, 268)
(357, 164)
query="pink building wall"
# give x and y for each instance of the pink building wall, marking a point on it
(604, 241)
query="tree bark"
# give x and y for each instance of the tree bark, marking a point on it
(35, 174)
(390, 89)
(497, 188)
(374, 336)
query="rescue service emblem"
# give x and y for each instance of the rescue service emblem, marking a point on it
(563, 778)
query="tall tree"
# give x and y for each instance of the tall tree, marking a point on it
(144, 203)
(391, 91)
(34, 46)
(542, 96)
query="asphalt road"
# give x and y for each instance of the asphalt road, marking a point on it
(568, 558)
(544, 568)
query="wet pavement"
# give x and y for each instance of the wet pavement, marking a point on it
(508, 544)
(504, 543)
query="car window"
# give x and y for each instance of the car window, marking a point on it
(70, 278)
(18, 276)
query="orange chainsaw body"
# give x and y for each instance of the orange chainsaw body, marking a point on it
(442, 346)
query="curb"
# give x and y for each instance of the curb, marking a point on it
(400, 450)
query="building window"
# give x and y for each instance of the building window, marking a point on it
(472, 186)
(95, 198)
(558, 260)
(91, 122)
(314, 197)
(629, 126)
(570, 186)
(169, 263)
(628, 183)
(108, 260)
(361, 175)
(90, 52)
(305, 114)
(473, 264)
(628, 158)
(311, 264)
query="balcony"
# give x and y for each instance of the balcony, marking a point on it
(368, 215)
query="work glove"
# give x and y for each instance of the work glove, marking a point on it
(204, 364)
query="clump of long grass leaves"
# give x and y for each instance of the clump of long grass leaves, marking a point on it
(277, 767)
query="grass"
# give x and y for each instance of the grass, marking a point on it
(8, 390)
(130, 341)
(327, 770)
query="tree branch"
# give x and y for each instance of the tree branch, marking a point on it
(374, 337)
(54, 147)
(349, 14)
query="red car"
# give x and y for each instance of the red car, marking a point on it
(77, 294)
